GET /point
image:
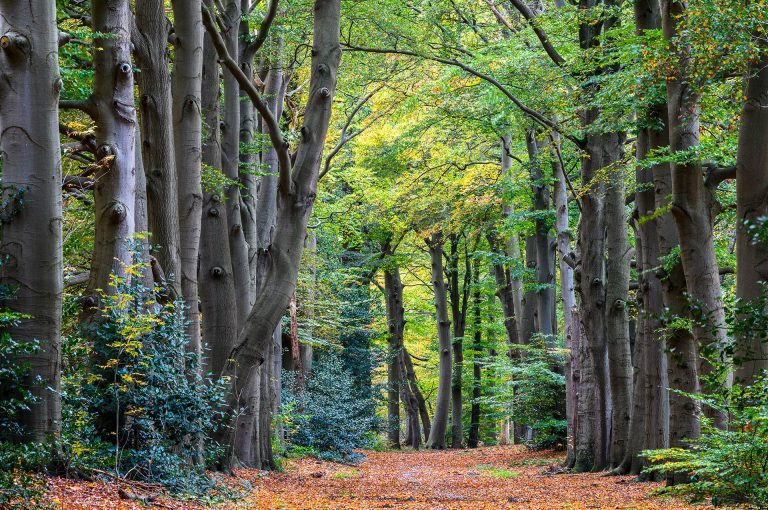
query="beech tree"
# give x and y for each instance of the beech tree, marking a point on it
(31, 227)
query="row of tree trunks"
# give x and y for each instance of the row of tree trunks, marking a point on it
(691, 203)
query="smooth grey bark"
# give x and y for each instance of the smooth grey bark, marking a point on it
(477, 338)
(393, 287)
(649, 424)
(410, 375)
(751, 210)
(411, 405)
(230, 159)
(217, 287)
(616, 319)
(266, 204)
(31, 170)
(150, 42)
(459, 299)
(503, 277)
(296, 190)
(528, 317)
(681, 349)
(690, 201)
(187, 139)
(591, 447)
(440, 419)
(249, 159)
(112, 108)
(567, 288)
(545, 278)
(141, 216)
(513, 243)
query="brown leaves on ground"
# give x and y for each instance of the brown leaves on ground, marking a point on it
(485, 478)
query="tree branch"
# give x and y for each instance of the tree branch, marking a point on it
(246, 84)
(717, 174)
(530, 17)
(84, 105)
(531, 113)
(261, 35)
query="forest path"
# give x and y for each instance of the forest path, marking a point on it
(499, 477)
(485, 478)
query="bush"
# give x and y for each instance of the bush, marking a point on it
(330, 417)
(725, 466)
(153, 409)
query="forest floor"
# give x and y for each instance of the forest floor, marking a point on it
(484, 478)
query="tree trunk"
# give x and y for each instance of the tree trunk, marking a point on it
(690, 203)
(217, 287)
(504, 292)
(458, 302)
(474, 421)
(395, 321)
(649, 425)
(230, 158)
(31, 178)
(528, 319)
(567, 289)
(157, 148)
(681, 349)
(603, 150)
(115, 117)
(420, 401)
(266, 215)
(440, 420)
(187, 132)
(297, 190)
(751, 210)
(545, 278)
(513, 243)
(617, 320)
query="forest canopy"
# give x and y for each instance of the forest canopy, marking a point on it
(239, 231)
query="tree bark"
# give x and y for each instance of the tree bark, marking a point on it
(545, 278)
(420, 401)
(440, 420)
(751, 210)
(395, 323)
(217, 287)
(690, 203)
(113, 111)
(157, 148)
(296, 189)
(617, 320)
(187, 133)
(230, 157)
(649, 425)
(567, 289)
(458, 303)
(513, 243)
(31, 179)
(474, 420)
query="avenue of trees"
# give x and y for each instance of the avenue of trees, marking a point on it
(491, 221)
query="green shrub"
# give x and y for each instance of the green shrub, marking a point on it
(144, 407)
(330, 417)
(725, 466)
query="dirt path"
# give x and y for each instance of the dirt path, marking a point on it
(485, 478)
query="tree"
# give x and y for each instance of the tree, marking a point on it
(439, 427)
(31, 227)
